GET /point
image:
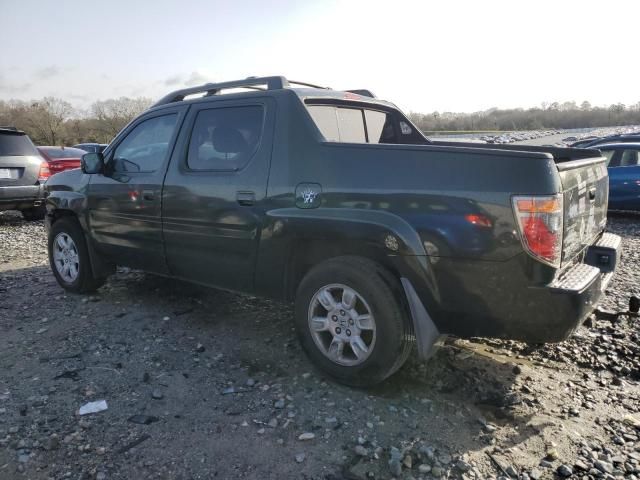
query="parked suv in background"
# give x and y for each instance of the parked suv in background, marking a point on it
(22, 174)
(335, 200)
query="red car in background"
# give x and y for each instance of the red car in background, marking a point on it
(61, 158)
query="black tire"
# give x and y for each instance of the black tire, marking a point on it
(85, 281)
(34, 213)
(383, 294)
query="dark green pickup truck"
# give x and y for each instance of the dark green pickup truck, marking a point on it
(383, 238)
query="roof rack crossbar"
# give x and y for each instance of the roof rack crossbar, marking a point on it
(305, 84)
(272, 83)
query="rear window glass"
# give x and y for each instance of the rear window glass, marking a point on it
(16, 145)
(359, 125)
(70, 152)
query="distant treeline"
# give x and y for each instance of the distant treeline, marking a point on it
(53, 121)
(552, 115)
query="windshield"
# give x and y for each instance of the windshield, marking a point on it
(12, 144)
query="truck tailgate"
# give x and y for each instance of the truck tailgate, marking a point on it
(585, 188)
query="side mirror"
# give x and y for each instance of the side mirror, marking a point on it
(92, 163)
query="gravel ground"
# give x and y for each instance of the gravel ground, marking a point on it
(204, 384)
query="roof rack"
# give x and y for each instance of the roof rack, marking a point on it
(272, 83)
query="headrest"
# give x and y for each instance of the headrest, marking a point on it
(228, 140)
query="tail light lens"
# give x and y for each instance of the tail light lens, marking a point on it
(540, 224)
(44, 172)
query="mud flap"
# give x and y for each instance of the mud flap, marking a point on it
(428, 338)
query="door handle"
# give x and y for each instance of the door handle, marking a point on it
(246, 199)
(592, 194)
(148, 195)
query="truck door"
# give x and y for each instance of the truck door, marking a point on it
(213, 195)
(124, 201)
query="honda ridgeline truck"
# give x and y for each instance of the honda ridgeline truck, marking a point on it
(335, 200)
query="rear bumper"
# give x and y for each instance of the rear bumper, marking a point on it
(508, 300)
(15, 198)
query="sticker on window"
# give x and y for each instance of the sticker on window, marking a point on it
(405, 128)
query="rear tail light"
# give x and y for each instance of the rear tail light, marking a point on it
(44, 172)
(540, 224)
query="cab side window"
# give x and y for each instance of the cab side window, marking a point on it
(629, 158)
(225, 138)
(145, 148)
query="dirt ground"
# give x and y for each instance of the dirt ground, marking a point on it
(204, 384)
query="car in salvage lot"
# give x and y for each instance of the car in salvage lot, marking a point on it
(61, 158)
(339, 203)
(623, 164)
(23, 173)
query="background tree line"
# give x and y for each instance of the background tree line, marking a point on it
(548, 115)
(53, 121)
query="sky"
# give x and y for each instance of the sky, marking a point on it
(454, 55)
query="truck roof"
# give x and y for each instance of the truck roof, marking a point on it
(305, 90)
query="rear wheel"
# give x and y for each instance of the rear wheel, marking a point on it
(34, 213)
(69, 257)
(352, 321)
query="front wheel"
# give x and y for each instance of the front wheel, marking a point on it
(352, 321)
(69, 258)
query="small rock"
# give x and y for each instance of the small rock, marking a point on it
(564, 471)
(300, 457)
(273, 423)
(250, 382)
(424, 468)
(395, 467)
(306, 436)
(604, 467)
(578, 465)
(463, 466)
(53, 443)
(157, 395)
(535, 474)
(552, 454)
(279, 403)
(437, 471)
(361, 451)
(408, 462)
(199, 347)
(517, 369)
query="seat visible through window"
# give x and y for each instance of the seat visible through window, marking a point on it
(225, 138)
